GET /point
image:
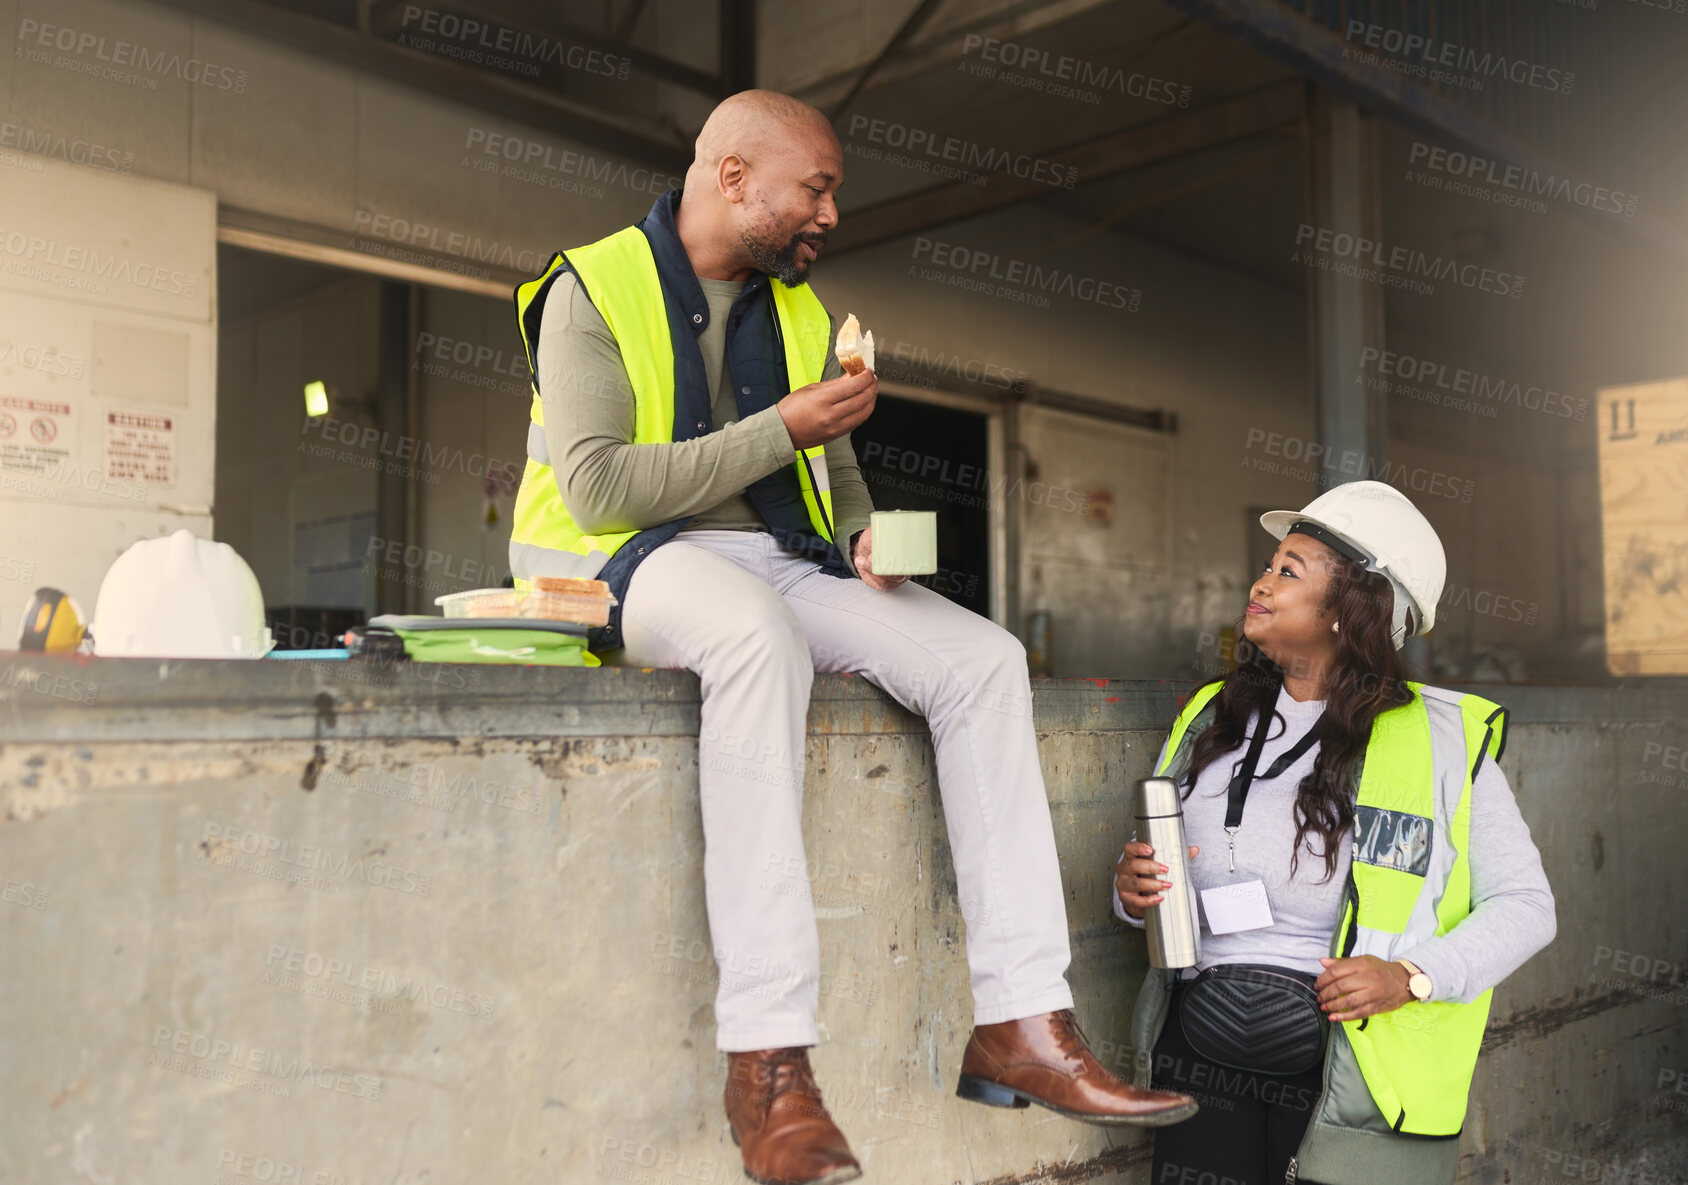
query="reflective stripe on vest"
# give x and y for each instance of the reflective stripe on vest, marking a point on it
(620, 277)
(1412, 879)
(799, 317)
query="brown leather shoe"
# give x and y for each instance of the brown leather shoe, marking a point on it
(779, 1122)
(1046, 1060)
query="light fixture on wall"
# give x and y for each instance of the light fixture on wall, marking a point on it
(316, 399)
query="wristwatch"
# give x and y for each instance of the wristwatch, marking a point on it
(1418, 983)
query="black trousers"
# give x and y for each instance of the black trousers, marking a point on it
(1248, 1127)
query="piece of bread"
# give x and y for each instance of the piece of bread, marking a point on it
(572, 584)
(854, 348)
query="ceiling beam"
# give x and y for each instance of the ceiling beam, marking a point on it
(1016, 20)
(1313, 49)
(629, 20)
(329, 247)
(536, 106)
(1276, 108)
(1318, 52)
(523, 19)
(915, 22)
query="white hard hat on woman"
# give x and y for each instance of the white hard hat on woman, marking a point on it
(1374, 524)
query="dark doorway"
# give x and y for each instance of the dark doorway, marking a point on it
(915, 456)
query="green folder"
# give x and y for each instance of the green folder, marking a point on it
(497, 645)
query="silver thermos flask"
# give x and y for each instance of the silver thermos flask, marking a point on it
(1173, 928)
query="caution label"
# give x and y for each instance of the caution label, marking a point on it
(140, 447)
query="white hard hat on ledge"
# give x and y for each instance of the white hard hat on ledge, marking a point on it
(180, 596)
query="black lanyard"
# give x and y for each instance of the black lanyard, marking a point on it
(1244, 777)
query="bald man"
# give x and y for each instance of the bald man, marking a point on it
(691, 446)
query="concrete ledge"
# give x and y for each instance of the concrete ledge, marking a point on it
(373, 922)
(69, 699)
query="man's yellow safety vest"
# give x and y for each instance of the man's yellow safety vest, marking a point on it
(620, 275)
(1405, 1073)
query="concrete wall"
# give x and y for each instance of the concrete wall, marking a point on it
(107, 371)
(298, 137)
(440, 923)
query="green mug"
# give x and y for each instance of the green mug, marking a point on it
(905, 542)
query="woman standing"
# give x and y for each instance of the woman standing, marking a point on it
(1364, 873)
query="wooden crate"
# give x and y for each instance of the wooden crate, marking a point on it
(1644, 516)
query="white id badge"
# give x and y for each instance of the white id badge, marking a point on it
(1233, 908)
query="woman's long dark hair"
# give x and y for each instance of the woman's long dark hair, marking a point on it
(1366, 679)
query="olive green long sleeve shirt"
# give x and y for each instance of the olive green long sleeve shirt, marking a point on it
(610, 484)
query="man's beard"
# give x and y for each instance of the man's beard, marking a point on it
(782, 263)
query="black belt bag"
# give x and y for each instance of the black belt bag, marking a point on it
(1248, 1016)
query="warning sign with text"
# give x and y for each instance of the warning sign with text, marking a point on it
(36, 435)
(140, 447)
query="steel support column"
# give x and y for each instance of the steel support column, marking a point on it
(395, 406)
(1345, 313)
(738, 45)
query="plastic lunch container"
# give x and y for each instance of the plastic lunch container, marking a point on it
(508, 602)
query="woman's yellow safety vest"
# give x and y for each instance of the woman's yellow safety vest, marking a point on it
(1405, 1073)
(619, 275)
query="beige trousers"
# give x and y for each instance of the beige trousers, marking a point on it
(755, 624)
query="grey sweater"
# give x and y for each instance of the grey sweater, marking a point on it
(611, 484)
(1512, 907)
